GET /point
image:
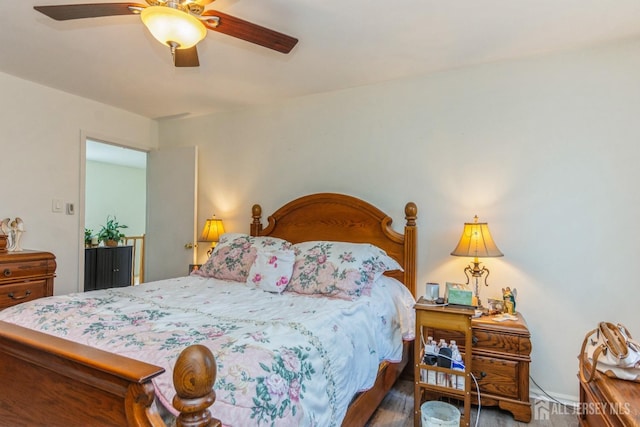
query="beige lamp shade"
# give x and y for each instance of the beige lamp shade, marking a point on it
(476, 241)
(173, 27)
(212, 230)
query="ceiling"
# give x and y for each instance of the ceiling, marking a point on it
(113, 154)
(115, 60)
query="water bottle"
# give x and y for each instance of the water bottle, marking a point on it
(442, 379)
(430, 358)
(457, 365)
(429, 348)
(430, 352)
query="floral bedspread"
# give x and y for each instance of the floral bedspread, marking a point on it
(283, 359)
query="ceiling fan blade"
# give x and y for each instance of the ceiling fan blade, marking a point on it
(64, 12)
(186, 57)
(236, 27)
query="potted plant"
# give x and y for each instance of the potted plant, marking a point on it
(88, 233)
(110, 232)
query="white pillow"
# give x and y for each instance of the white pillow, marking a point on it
(271, 271)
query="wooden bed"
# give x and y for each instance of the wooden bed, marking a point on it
(45, 380)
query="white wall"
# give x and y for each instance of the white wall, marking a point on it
(41, 139)
(546, 150)
(114, 190)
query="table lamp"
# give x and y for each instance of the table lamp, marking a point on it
(476, 242)
(211, 232)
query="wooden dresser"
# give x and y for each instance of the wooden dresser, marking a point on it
(609, 402)
(25, 276)
(500, 363)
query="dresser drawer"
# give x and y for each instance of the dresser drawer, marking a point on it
(18, 270)
(495, 376)
(17, 293)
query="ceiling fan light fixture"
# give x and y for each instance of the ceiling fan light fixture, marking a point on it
(172, 26)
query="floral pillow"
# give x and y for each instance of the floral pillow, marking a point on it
(272, 269)
(234, 255)
(338, 269)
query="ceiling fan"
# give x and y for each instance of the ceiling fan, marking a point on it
(180, 24)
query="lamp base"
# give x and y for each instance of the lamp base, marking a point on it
(477, 272)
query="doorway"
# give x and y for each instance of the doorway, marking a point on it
(115, 187)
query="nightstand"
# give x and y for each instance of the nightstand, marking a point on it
(439, 378)
(25, 276)
(500, 363)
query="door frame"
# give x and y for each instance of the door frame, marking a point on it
(81, 208)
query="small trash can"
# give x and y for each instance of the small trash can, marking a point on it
(439, 414)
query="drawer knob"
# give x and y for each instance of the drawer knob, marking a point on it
(482, 374)
(474, 340)
(15, 298)
(7, 272)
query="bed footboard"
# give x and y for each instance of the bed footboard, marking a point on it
(45, 380)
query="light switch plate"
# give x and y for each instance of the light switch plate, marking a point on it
(57, 205)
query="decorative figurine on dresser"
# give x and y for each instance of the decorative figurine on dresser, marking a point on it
(25, 274)
(509, 298)
(13, 231)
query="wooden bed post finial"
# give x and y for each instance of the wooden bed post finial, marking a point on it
(256, 225)
(410, 247)
(193, 377)
(411, 213)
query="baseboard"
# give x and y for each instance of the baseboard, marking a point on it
(569, 400)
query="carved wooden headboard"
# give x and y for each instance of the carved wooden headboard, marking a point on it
(338, 217)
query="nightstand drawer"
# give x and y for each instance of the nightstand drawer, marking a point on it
(502, 343)
(489, 341)
(22, 292)
(19, 270)
(495, 376)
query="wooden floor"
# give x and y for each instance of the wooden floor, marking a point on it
(397, 411)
